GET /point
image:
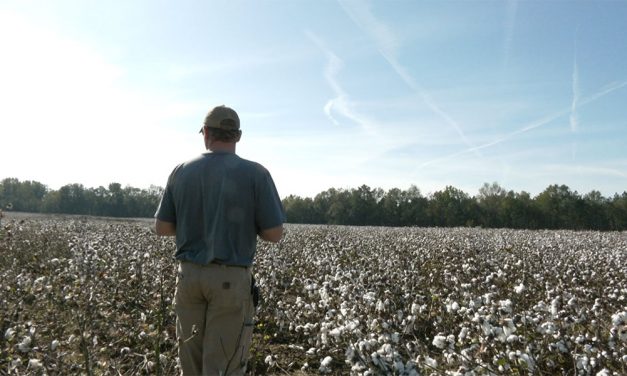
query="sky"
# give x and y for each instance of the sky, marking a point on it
(330, 93)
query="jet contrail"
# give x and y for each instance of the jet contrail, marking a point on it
(387, 45)
(535, 124)
(574, 118)
(510, 23)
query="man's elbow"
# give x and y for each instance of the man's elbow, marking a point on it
(272, 234)
(165, 228)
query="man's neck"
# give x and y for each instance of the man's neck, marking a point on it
(224, 147)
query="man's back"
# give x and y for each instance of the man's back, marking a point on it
(219, 202)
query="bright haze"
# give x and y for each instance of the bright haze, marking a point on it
(330, 93)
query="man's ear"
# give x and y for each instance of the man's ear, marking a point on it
(239, 137)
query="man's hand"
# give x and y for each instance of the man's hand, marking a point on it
(164, 228)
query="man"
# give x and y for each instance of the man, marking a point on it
(216, 205)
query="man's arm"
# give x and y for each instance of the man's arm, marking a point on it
(272, 234)
(164, 228)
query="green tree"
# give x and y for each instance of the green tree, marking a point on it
(560, 208)
(22, 196)
(618, 212)
(596, 211)
(390, 208)
(490, 200)
(414, 208)
(452, 207)
(299, 210)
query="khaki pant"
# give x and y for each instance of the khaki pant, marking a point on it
(214, 318)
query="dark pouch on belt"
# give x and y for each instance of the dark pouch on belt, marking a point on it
(255, 292)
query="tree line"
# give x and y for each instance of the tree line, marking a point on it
(557, 207)
(114, 201)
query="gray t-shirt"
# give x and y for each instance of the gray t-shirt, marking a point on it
(219, 203)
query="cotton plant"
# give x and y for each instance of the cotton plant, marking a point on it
(441, 301)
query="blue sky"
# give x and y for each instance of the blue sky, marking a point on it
(330, 93)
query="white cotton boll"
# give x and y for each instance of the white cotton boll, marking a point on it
(326, 361)
(54, 345)
(519, 289)
(512, 338)
(450, 358)
(430, 362)
(311, 351)
(386, 349)
(531, 365)
(374, 324)
(15, 363)
(509, 327)
(462, 334)
(579, 340)
(269, 360)
(9, 334)
(358, 367)
(353, 325)
(555, 307)
(487, 328)
(603, 372)
(439, 341)
(24, 346)
(619, 318)
(337, 332)
(498, 332)
(415, 309)
(379, 307)
(450, 339)
(376, 359)
(505, 305)
(396, 337)
(35, 364)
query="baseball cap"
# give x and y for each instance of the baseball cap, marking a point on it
(222, 117)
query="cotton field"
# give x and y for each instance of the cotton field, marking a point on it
(93, 297)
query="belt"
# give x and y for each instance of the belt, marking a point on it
(230, 266)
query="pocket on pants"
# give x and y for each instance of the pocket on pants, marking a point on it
(231, 289)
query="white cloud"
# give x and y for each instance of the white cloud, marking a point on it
(341, 102)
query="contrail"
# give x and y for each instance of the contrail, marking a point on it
(510, 23)
(387, 44)
(574, 116)
(535, 124)
(574, 119)
(341, 102)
